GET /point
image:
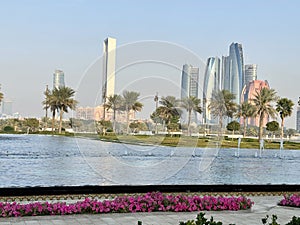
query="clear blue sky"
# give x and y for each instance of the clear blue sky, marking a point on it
(38, 37)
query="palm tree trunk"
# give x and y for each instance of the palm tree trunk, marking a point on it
(189, 123)
(220, 124)
(261, 119)
(60, 120)
(114, 122)
(127, 120)
(245, 120)
(53, 120)
(282, 125)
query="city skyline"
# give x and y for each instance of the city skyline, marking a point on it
(36, 42)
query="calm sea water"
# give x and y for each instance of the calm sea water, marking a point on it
(33, 160)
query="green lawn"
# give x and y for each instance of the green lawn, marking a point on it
(195, 142)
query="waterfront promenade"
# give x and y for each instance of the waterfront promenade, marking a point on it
(263, 205)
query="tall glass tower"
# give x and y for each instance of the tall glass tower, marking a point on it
(109, 61)
(212, 82)
(58, 79)
(250, 73)
(189, 85)
(236, 70)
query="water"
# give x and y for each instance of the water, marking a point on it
(33, 160)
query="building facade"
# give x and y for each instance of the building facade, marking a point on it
(298, 119)
(109, 63)
(96, 113)
(250, 73)
(7, 108)
(212, 82)
(235, 68)
(248, 94)
(58, 79)
(189, 86)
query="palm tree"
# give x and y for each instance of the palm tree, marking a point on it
(285, 108)
(1, 97)
(263, 100)
(168, 109)
(114, 102)
(130, 103)
(245, 111)
(51, 102)
(222, 105)
(65, 101)
(191, 104)
(46, 105)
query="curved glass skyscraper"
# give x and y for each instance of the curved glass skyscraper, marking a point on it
(236, 70)
(212, 82)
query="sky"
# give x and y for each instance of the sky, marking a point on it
(38, 37)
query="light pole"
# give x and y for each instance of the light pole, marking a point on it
(46, 107)
(156, 105)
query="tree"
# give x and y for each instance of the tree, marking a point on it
(272, 126)
(32, 124)
(60, 100)
(130, 102)
(190, 104)
(137, 126)
(168, 110)
(285, 108)
(114, 102)
(263, 101)
(222, 105)
(245, 111)
(52, 103)
(103, 125)
(233, 126)
(1, 97)
(65, 102)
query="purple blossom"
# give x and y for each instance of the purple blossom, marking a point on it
(291, 200)
(149, 202)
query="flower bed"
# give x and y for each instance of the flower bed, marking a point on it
(154, 201)
(291, 200)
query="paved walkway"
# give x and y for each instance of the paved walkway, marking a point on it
(263, 206)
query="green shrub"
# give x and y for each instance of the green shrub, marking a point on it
(8, 129)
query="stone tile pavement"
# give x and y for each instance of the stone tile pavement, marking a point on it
(263, 205)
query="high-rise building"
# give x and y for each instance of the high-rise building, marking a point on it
(58, 79)
(189, 85)
(212, 82)
(7, 107)
(109, 61)
(248, 94)
(236, 70)
(298, 119)
(225, 81)
(189, 81)
(250, 73)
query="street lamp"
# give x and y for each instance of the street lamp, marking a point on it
(156, 105)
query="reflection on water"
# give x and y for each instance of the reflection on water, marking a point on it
(33, 160)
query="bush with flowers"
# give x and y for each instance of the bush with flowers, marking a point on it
(149, 202)
(291, 200)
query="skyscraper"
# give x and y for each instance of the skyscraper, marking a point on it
(189, 81)
(109, 61)
(250, 73)
(58, 79)
(236, 70)
(298, 119)
(212, 82)
(189, 85)
(7, 107)
(225, 81)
